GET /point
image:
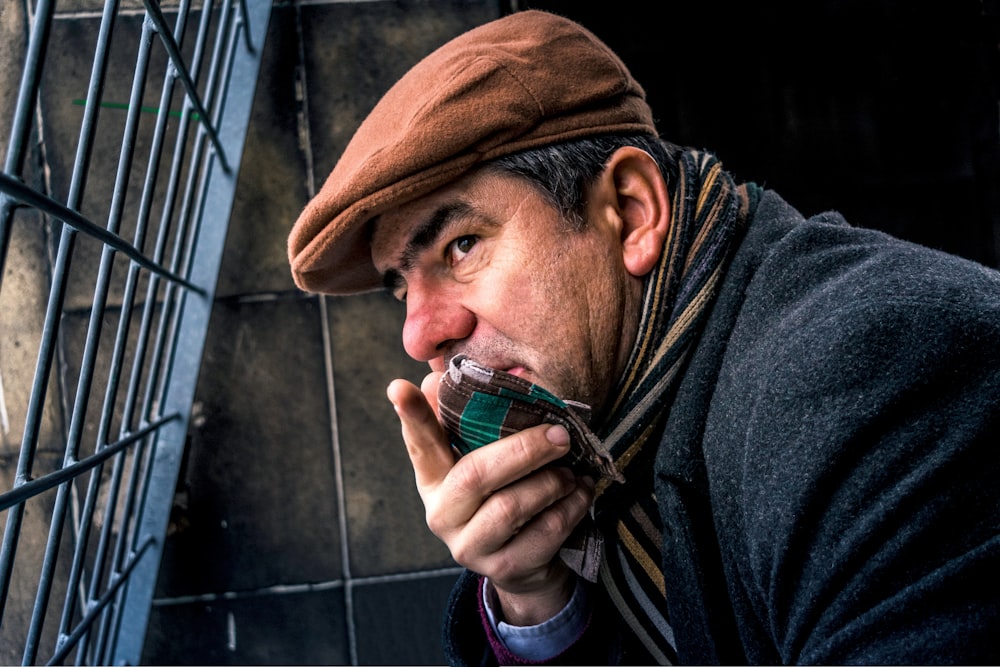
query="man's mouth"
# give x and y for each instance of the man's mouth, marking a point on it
(499, 363)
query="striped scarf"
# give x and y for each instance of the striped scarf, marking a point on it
(709, 214)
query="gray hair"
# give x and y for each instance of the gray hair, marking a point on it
(563, 171)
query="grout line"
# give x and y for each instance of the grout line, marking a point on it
(294, 589)
(83, 14)
(345, 551)
(293, 294)
(407, 576)
(302, 100)
(282, 589)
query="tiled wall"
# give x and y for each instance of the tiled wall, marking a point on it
(298, 536)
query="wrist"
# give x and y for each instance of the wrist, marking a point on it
(526, 608)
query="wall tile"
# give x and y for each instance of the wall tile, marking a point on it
(355, 51)
(399, 622)
(257, 503)
(272, 186)
(308, 628)
(385, 516)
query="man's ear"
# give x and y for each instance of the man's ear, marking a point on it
(637, 193)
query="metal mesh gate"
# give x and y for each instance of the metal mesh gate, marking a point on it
(112, 225)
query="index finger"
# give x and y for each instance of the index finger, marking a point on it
(426, 442)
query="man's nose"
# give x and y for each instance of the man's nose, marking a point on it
(434, 320)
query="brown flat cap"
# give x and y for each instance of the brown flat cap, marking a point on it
(522, 81)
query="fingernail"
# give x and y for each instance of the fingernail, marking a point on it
(557, 435)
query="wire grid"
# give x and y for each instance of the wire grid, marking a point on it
(110, 244)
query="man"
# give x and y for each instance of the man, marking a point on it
(801, 416)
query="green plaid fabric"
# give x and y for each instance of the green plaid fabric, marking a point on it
(480, 405)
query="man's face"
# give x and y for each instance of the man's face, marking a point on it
(487, 267)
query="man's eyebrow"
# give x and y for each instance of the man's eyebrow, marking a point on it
(426, 234)
(423, 236)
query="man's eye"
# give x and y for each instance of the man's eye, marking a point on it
(460, 247)
(394, 285)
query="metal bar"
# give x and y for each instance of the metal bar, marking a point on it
(132, 498)
(246, 31)
(41, 484)
(95, 90)
(47, 205)
(69, 641)
(167, 330)
(95, 325)
(27, 99)
(21, 127)
(121, 343)
(33, 417)
(177, 59)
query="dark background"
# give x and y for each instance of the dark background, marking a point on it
(883, 109)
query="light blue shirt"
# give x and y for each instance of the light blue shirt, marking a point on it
(545, 640)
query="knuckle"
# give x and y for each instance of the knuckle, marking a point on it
(467, 475)
(461, 553)
(435, 524)
(563, 516)
(562, 480)
(521, 443)
(439, 519)
(557, 521)
(507, 509)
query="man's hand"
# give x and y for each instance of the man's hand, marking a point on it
(499, 513)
